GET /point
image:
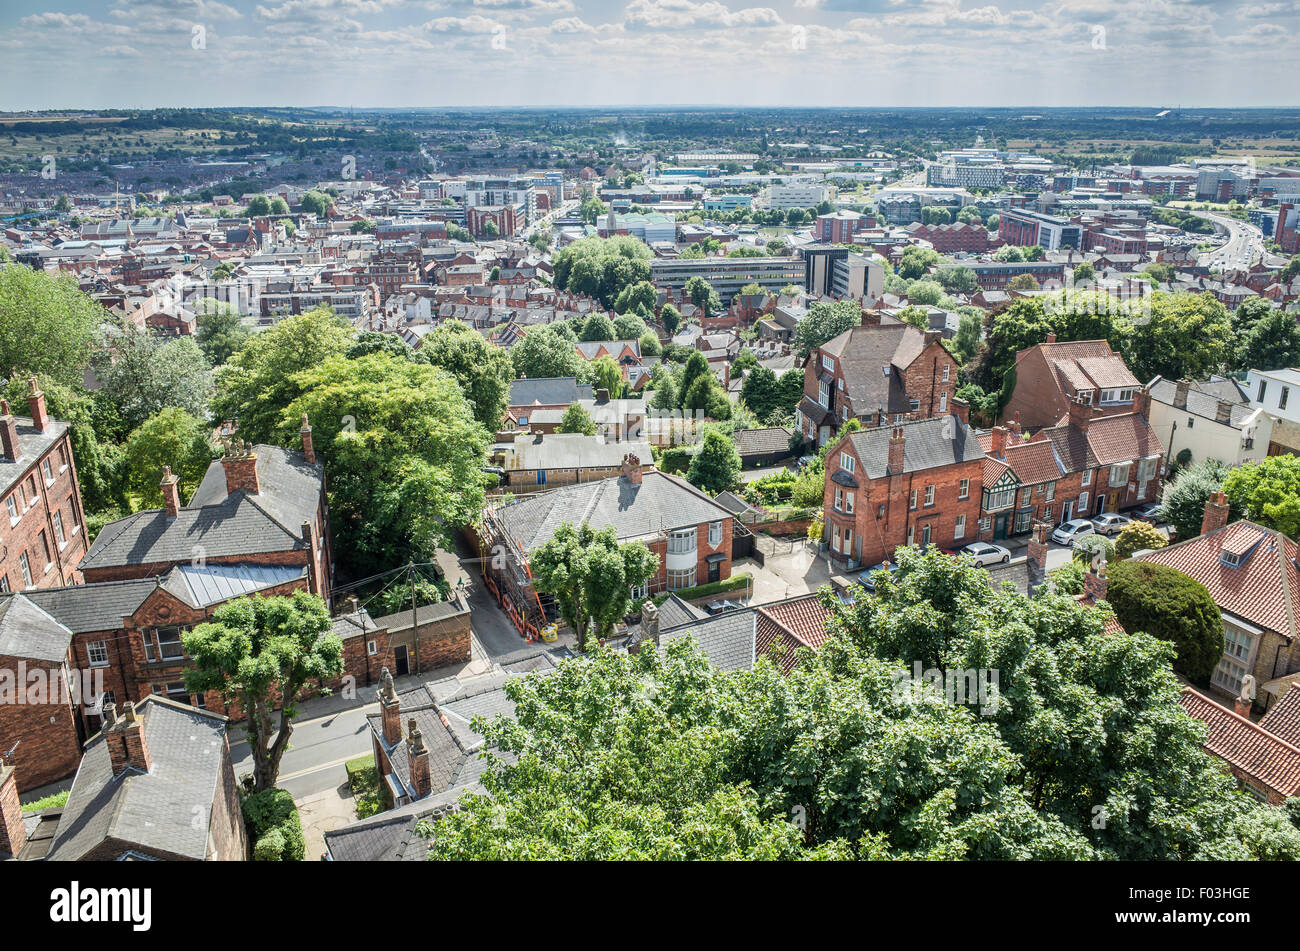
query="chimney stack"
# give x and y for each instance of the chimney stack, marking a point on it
(650, 623)
(417, 755)
(1051, 337)
(897, 441)
(1095, 582)
(1242, 706)
(13, 832)
(1080, 414)
(390, 709)
(308, 447)
(1223, 412)
(870, 318)
(961, 409)
(1013, 427)
(632, 468)
(126, 743)
(1142, 402)
(240, 463)
(1216, 513)
(1180, 393)
(999, 445)
(9, 433)
(1036, 554)
(171, 492)
(602, 395)
(36, 405)
(932, 336)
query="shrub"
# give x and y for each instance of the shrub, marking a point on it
(1135, 536)
(1165, 603)
(816, 526)
(1086, 548)
(1183, 501)
(1068, 579)
(272, 816)
(675, 459)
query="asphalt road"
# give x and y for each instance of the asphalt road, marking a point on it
(317, 751)
(1245, 243)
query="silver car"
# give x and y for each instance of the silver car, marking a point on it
(982, 553)
(1110, 523)
(1067, 533)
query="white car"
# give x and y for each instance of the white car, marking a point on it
(1109, 523)
(1067, 533)
(982, 553)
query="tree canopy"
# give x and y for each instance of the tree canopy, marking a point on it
(1267, 491)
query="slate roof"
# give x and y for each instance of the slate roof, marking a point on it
(573, 451)
(221, 525)
(28, 631)
(354, 625)
(675, 612)
(727, 639)
(154, 810)
(391, 836)
(32, 444)
(862, 354)
(424, 614)
(548, 391)
(772, 439)
(660, 503)
(1263, 590)
(929, 444)
(1249, 747)
(1203, 402)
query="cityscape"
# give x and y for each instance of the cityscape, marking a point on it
(449, 475)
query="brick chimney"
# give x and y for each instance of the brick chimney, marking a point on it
(417, 755)
(390, 708)
(13, 832)
(650, 623)
(960, 408)
(9, 433)
(1095, 582)
(1013, 427)
(999, 445)
(1180, 393)
(1242, 706)
(126, 742)
(870, 318)
(602, 395)
(1036, 554)
(932, 336)
(632, 468)
(36, 405)
(240, 463)
(171, 492)
(1142, 402)
(897, 441)
(1223, 412)
(1216, 513)
(1051, 338)
(308, 447)
(1080, 414)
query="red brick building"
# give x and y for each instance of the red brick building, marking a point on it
(912, 483)
(45, 538)
(950, 238)
(881, 372)
(1049, 376)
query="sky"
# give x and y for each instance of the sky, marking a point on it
(403, 53)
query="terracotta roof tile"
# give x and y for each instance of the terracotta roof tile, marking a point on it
(1247, 746)
(1283, 718)
(799, 622)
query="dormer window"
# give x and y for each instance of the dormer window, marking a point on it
(1230, 558)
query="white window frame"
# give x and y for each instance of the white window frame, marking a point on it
(1086, 478)
(963, 489)
(682, 541)
(929, 495)
(25, 564)
(847, 462)
(715, 534)
(959, 528)
(1119, 474)
(97, 653)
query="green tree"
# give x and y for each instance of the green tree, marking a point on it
(1023, 282)
(628, 327)
(404, 456)
(47, 325)
(171, 438)
(1136, 536)
(670, 317)
(258, 207)
(966, 341)
(597, 327)
(717, 464)
(221, 332)
(602, 267)
(1182, 504)
(482, 369)
(576, 419)
(1273, 342)
(702, 295)
(317, 203)
(606, 374)
(142, 374)
(1165, 603)
(546, 352)
(1188, 336)
(1084, 272)
(957, 280)
(260, 651)
(1267, 491)
(258, 382)
(823, 322)
(591, 577)
(916, 261)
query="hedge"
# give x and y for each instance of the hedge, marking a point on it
(1165, 603)
(274, 826)
(734, 583)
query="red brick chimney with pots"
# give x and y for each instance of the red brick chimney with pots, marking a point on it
(1036, 554)
(870, 318)
(126, 742)
(390, 709)
(1095, 583)
(9, 433)
(171, 492)
(1241, 706)
(240, 463)
(897, 442)
(1216, 513)
(632, 468)
(999, 444)
(1080, 414)
(960, 408)
(13, 833)
(1051, 338)
(36, 405)
(417, 755)
(308, 447)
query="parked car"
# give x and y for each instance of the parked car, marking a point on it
(1148, 513)
(982, 553)
(717, 607)
(867, 578)
(1110, 523)
(1067, 533)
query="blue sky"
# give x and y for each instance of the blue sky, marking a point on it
(113, 53)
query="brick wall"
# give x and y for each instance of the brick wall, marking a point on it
(50, 747)
(61, 495)
(923, 379)
(227, 835)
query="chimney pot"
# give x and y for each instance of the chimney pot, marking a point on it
(240, 465)
(170, 492)
(632, 468)
(308, 447)
(999, 445)
(390, 709)
(1180, 393)
(1051, 337)
(1241, 706)
(36, 405)
(1216, 513)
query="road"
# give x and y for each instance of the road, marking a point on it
(1245, 243)
(317, 751)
